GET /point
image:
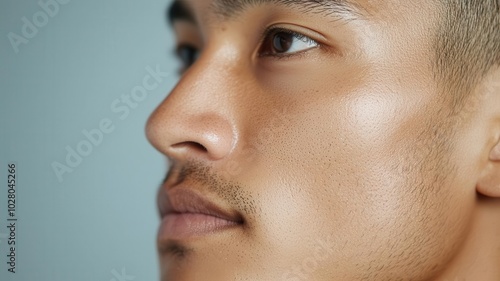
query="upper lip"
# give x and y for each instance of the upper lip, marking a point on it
(183, 199)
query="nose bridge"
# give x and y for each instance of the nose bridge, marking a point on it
(196, 118)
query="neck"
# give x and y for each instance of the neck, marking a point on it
(479, 258)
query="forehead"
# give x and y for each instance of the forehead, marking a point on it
(224, 10)
(231, 8)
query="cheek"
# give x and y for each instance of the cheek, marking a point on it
(371, 177)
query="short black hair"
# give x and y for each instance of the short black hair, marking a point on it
(468, 44)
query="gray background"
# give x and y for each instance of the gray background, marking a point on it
(100, 221)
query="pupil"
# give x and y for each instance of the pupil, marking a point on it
(282, 42)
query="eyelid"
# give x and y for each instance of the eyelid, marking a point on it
(304, 31)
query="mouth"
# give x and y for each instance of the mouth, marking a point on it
(187, 214)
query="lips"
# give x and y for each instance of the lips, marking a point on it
(188, 214)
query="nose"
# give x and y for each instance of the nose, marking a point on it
(194, 121)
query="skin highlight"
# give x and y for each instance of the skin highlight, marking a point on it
(347, 161)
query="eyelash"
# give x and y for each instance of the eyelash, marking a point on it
(270, 32)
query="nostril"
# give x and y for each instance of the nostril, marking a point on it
(207, 135)
(192, 145)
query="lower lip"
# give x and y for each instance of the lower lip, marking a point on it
(189, 225)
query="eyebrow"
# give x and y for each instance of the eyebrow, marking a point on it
(179, 10)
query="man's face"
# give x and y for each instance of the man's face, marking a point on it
(320, 131)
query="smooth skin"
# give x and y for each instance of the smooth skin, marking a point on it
(343, 153)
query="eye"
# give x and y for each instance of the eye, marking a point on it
(284, 42)
(187, 54)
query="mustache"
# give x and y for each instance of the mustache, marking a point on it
(231, 192)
